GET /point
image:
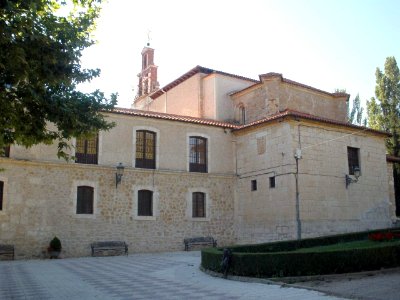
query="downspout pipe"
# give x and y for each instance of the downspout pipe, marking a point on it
(297, 156)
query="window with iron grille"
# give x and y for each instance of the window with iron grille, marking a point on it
(1, 194)
(145, 149)
(198, 154)
(86, 150)
(254, 185)
(145, 203)
(198, 205)
(353, 155)
(5, 152)
(84, 202)
(272, 182)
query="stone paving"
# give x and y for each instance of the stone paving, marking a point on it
(138, 276)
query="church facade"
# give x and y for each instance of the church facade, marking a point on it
(210, 154)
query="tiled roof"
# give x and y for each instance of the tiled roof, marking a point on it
(192, 72)
(235, 127)
(171, 117)
(296, 114)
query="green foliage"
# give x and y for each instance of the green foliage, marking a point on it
(384, 111)
(40, 70)
(55, 244)
(325, 255)
(355, 115)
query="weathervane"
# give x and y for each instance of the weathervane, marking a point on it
(148, 37)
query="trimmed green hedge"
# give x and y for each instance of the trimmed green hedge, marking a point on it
(280, 260)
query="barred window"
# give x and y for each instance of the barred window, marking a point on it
(84, 202)
(5, 152)
(145, 203)
(198, 205)
(86, 150)
(145, 149)
(1, 194)
(198, 154)
(254, 185)
(272, 182)
(353, 155)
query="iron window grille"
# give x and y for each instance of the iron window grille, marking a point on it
(145, 203)
(353, 157)
(198, 205)
(198, 154)
(86, 151)
(1, 194)
(84, 203)
(6, 152)
(272, 182)
(254, 185)
(145, 149)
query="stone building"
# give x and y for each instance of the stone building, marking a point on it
(211, 153)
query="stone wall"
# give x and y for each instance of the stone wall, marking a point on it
(326, 205)
(40, 203)
(274, 95)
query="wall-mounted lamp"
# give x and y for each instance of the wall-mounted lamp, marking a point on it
(118, 174)
(353, 180)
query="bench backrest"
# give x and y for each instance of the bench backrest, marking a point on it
(109, 244)
(199, 239)
(6, 248)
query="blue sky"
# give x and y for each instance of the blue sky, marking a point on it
(327, 44)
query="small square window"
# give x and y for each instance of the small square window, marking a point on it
(272, 182)
(254, 185)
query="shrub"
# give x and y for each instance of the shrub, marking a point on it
(55, 244)
(280, 259)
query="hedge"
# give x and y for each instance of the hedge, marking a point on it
(278, 259)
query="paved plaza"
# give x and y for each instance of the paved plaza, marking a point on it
(139, 276)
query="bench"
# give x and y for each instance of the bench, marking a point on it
(113, 247)
(199, 241)
(7, 250)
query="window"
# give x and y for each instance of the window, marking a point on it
(145, 149)
(6, 152)
(198, 205)
(254, 185)
(272, 182)
(84, 203)
(242, 112)
(353, 159)
(1, 194)
(86, 150)
(145, 203)
(198, 154)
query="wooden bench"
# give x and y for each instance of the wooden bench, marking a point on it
(113, 247)
(199, 241)
(7, 250)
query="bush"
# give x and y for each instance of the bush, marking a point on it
(55, 244)
(280, 259)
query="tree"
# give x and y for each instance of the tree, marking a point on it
(384, 113)
(355, 115)
(40, 70)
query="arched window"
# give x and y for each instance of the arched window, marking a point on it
(242, 115)
(198, 205)
(145, 203)
(145, 149)
(84, 202)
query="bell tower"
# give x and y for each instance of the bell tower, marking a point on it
(148, 76)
